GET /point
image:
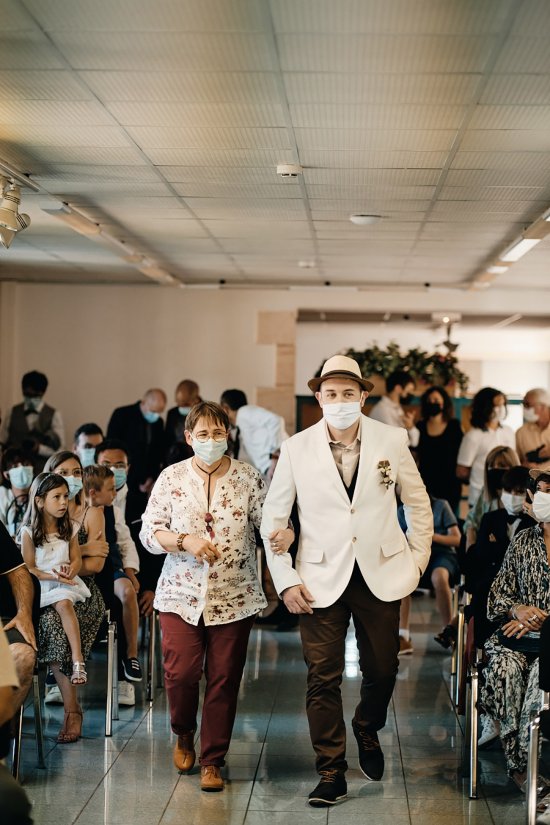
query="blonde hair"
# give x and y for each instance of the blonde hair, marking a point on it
(94, 477)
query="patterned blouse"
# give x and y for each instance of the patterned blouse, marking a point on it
(524, 577)
(228, 589)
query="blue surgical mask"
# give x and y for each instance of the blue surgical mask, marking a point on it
(21, 477)
(121, 476)
(32, 403)
(150, 416)
(184, 410)
(87, 456)
(75, 486)
(209, 451)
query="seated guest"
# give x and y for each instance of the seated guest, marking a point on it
(519, 600)
(442, 571)
(53, 645)
(16, 808)
(33, 425)
(437, 450)
(497, 462)
(258, 432)
(177, 449)
(100, 491)
(488, 412)
(18, 472)
(86, 439)
(389, 410)
(141, 427)
(209, 591)
(533, 439)
(113, 454)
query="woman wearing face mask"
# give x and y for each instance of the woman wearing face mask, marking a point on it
(18, 473)
(94, 550)
(497, 462)
(519, 600)
(437, 451)
(201, 514)
(488, 412)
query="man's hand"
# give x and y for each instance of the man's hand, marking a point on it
(147, 486)
(22, 622)
(145, 602)
(297, 599)
(130, 572)
(408, 420)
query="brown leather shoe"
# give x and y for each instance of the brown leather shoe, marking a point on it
(184, 752)
(211, 778)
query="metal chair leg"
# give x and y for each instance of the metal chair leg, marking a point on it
(38, 720)
(151, 651)
(159, 653)
(459, 654)
(111, 631)
(454, 613)
(16, 744)
(115, 676)
(533, 761)
(474, 718)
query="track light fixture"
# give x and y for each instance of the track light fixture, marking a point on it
(11, 221)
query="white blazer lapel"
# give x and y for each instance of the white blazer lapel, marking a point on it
(326, 459)
(367, 457)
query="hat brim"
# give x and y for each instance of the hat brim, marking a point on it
(315, 383)
(534, 474)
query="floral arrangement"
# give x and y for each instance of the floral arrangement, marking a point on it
(431, 368)
(385, 472)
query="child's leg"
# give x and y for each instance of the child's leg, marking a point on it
(443, 595)
(125, 592)
(71, 627)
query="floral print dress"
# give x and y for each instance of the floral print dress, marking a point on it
(511, 691)
(228, 589)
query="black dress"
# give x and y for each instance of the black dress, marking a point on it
(437, 461)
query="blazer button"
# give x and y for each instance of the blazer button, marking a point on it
(352, 510)
(354, 538)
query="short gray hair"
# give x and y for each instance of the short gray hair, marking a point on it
(541, 396)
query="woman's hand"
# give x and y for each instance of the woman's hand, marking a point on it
(200, 548)
(280, 540)
(527, 618)
(528, 505)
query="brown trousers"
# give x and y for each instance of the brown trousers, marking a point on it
(323, 640)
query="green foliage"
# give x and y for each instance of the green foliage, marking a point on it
(432, 368)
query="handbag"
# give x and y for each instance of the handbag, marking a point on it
(529, 643)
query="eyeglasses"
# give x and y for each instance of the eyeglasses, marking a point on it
(209, 520)
(218, 436)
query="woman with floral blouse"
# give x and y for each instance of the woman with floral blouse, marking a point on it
(201, 513)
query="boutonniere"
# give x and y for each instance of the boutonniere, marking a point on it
(385, 470)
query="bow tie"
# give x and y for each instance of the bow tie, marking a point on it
(30, 411)
(511, 518)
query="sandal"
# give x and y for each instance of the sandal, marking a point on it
(65, 737)
(447, 637)
(79, 675)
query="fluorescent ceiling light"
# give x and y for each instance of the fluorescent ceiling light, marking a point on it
(75, 220)
(519, 249)
(497, 270)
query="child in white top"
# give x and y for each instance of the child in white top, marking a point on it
(49, 544)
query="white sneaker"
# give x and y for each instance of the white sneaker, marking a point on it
(544, 818)
(126, 694)
(490, 730)
(53, 695)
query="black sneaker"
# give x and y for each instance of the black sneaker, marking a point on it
(371, 758)
(330, 790)
(132, 670)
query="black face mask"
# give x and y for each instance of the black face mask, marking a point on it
(433, 409)
(494, 477)
(404, 399)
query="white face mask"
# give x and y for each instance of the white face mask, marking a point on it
(342, 415)
(541, 506)
(513, 504)
(530, 416)
(499, 413)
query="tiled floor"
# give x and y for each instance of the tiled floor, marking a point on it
(129, 779)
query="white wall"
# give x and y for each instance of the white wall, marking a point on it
(103, 346)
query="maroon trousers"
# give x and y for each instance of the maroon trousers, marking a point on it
(219, 650)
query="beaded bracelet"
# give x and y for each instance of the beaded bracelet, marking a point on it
(179, 542)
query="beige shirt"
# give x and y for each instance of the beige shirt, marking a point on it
(528, 438)
(8, 675)
(346, 458)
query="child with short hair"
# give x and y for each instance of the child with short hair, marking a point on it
(100, 491)
(49, 545)
(18, 472)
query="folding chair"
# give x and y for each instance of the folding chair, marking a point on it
(39, 734)
(111, 706)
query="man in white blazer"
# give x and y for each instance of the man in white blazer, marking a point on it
(353, 561)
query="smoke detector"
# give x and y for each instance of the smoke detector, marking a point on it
(289, 170)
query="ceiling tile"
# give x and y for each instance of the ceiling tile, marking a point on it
(27, 50)
(163, 137)
(41, 85)
(379, 159)
(170, 114)
(375, 116)
(521, 89)
(218, 157)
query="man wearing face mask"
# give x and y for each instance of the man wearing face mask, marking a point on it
(86, 439)
(18, 472)
(353, 561)
(177, 449)
(389, 410)
(33, 425)
(533, 439)
(141, 428)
